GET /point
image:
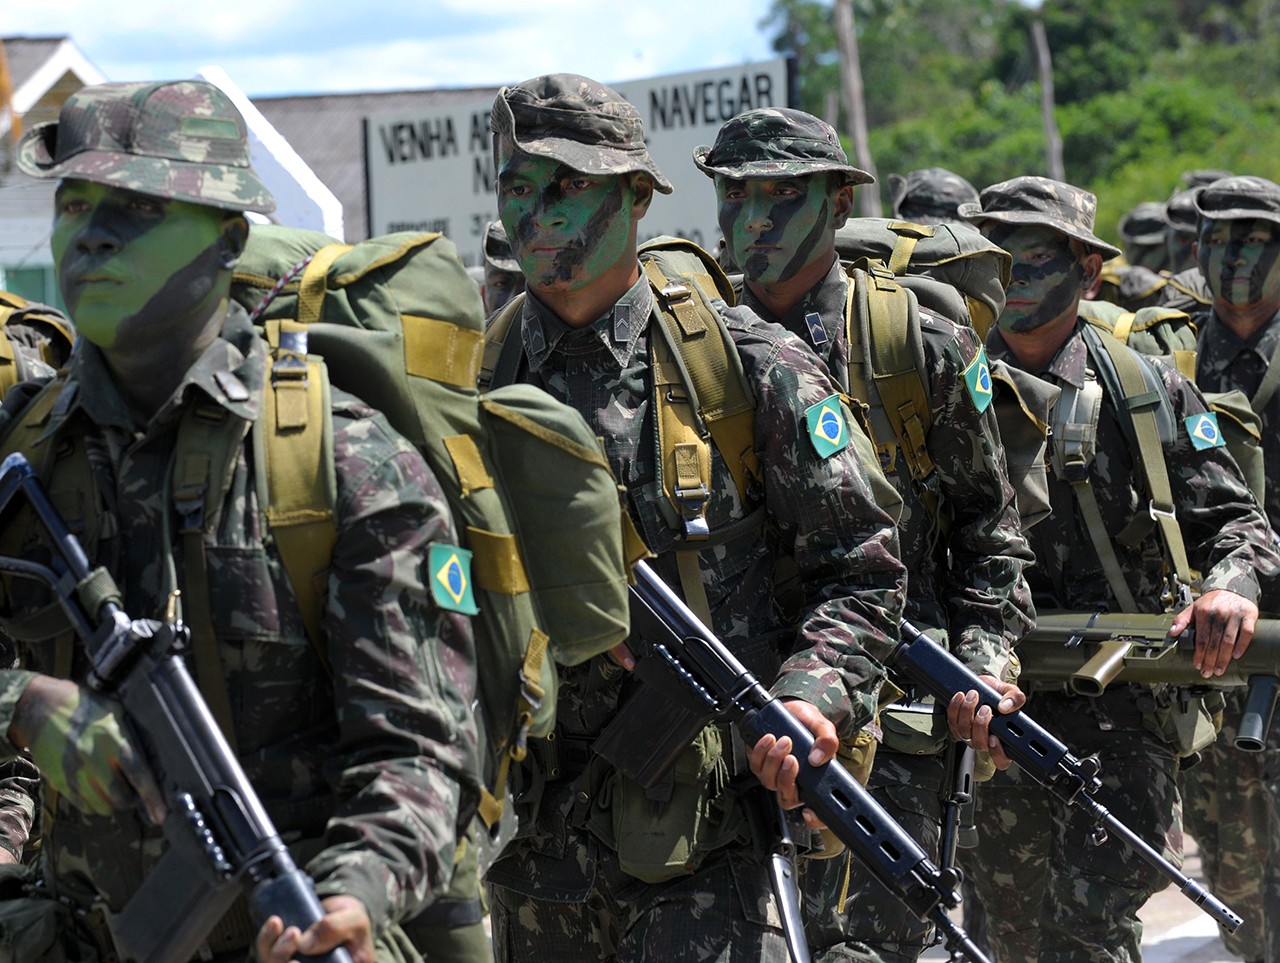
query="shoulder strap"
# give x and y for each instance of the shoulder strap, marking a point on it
(1270, 382)
(909, 235)
(499, 364)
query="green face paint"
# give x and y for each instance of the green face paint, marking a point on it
(131, 265)
(1046, 275)
(776, 227)
(566, 228)
(1240, 260)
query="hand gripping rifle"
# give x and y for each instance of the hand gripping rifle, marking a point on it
(1042, 756)
(220, 840)
(1090, 650)
(691, 679)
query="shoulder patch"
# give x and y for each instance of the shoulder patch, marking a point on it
(449, 576)
(977, 377)
(827, 428)
(1204, 431)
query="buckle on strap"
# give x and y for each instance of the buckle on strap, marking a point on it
(1159, 513)
(693, 505)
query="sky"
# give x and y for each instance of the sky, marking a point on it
(274, 47)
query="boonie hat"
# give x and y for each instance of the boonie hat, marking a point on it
(931, 195)
(181, 139)
(1239, 198)
(777, 142)
(1063, 207)
(577, 121)
(497, 248)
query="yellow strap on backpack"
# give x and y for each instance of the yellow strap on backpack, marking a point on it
(909, 235)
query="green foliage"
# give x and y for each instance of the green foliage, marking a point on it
(1144, 89)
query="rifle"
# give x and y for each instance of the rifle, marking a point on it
(221, 840)
(1090, 650)
(691, 679)
(1042, 757)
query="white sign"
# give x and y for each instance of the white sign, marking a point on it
(433, 170)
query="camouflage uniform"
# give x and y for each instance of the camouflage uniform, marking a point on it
(1232, 797)
(931, 195)
(1050, 894)
(563, 890)
(367, 764)
(966, 576)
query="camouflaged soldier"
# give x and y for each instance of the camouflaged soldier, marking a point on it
(365, 757)
(784, 186)
(1232, 803)
(502, 278)
(931, 195)
(607, 870)
(1051, 895)
(1137, 278)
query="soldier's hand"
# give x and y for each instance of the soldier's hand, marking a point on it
(1224, 624)
(79, 741)
(345, 923)
(771, 760)
(971, 724)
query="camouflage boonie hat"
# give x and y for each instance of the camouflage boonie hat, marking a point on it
(1144, 224)
(931, 195)
(777, 142)
(181, 139)
(578, 122)
(497, 248)
(1062, 207)
(1239, 198)
(1180, 212)
(1201, 178)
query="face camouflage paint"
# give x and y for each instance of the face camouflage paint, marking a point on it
(133, 265)
(1045, 279)
(1240, 260)
(566, 228)
(776, 227)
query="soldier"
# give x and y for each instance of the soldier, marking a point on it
(1135, 280)
(502, 277)
(929, 196)
(365, 756)
(606, 869)
(1060, 898)
(1233, 797)
(784, 186)
(1185, 288)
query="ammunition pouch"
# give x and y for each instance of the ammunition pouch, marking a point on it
(667, 831)
(916, 729)
(1185, 718)
(36, 928)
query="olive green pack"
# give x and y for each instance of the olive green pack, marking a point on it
(398, 323)
(51, 322)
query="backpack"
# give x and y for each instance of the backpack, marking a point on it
(1170, 334)
(50, 338)
(399, 324)
(951, 268)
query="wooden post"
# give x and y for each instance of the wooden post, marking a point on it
(1044, 66)
(854, 103)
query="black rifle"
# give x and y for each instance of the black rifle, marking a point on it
(220, 840)
(1090, 650)
(1041, 756)
(690, 680)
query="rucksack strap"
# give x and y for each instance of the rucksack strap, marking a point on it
(1270, 382)
(909, 235)
(315, 277)
(500, 362)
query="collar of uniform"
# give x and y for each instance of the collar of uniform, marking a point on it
(617, 330)
(1067, 365)
(1226, 343)
(236, 357)
(825, 299)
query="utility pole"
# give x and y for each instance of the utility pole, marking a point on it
(1044, 66)
(854, 102)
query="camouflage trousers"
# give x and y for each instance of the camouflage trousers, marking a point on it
(1051, 893)
(1232, 801)
(879, 926)
(724, 912)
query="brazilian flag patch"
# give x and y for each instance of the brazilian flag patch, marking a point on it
(449, 575)
(1204, 431)
(978, 379)
(827, 428)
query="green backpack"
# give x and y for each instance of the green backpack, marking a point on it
(51, 341)
(398, 323)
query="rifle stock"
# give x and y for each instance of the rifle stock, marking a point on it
(1041, 756)
(1091, 650)
(706, 682)
(221, 841)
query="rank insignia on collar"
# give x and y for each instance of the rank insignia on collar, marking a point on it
(1204, 431)
(449, 577)
(977, 377)
(827, 428)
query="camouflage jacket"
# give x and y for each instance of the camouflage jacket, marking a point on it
(1225, 361)
(1227, 538)
(369, 766)
(966, 574)
(821, 511)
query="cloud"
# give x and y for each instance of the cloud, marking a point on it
(290, 46)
